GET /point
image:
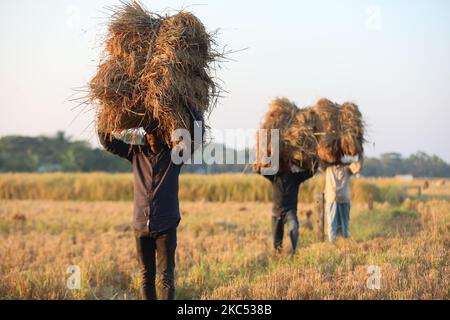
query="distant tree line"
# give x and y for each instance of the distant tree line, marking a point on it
(418, 165)
(61, 153)
(57, 153)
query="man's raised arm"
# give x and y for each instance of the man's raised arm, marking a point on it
(304, 175)
(357, 166)
(116, 146)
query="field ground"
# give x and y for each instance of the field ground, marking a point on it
(225, 252)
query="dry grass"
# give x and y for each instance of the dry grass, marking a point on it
(224, 252)
(117, 87)
(216, 188)
(178, 79)
(156, 70)
(329, 128)
(324, 132)
(224, 249)
(280, 117)
(352, 126)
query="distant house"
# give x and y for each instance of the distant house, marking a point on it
(50, 168)
(405, 177)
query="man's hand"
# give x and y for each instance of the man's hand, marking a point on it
(356, 167)
(257, 168)
(295, 169)
(117, 134)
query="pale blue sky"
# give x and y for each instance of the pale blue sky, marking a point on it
(391, 57)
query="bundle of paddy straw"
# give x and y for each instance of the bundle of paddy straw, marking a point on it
(297, 141)
(325, 132)
(156, 70)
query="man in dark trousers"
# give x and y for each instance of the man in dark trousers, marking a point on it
(285, 188)
(156, 209)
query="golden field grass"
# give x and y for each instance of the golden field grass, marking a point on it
(214, 188)
(224, 250)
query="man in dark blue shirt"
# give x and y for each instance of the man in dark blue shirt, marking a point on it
(285, 188)
(156, 208)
